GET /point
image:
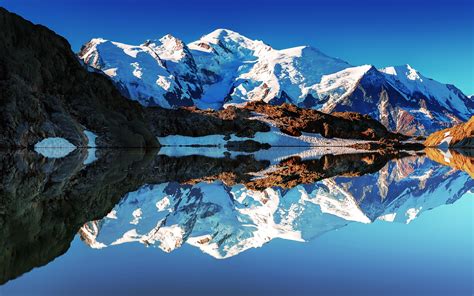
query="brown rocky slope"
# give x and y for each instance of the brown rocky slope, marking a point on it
(458, 136)
(458, 159)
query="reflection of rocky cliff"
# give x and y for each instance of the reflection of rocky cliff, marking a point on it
(458, 136)
(458, 159)
(225, 219)
(43, 202)
(294, 171)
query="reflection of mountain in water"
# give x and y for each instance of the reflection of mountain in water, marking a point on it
(225, 220)
(458, 159)
(201, 200)
(43, 202)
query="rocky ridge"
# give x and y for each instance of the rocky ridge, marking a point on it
(458, 136)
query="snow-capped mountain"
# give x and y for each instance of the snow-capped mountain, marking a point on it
(224, 68)
(156, 73)
(224, 221)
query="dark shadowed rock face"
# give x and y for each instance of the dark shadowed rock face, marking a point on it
(43, 202)
(46, 92)
(294, 121)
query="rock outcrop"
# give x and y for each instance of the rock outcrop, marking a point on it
(46, 92)
(293, 120)
(459, 136)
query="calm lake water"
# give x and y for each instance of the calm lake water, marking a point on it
(286, 221)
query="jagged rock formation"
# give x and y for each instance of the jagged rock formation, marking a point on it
(46, 92)
(195, 123)
(293, 120)
(458, 136)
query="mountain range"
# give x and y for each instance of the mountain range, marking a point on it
(48, 98)
(225, 68)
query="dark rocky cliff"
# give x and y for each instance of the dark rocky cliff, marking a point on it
(46, 92)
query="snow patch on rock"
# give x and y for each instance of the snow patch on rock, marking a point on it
(91, 143)
(54, 147)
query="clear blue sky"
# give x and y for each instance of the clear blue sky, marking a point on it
(435, 37)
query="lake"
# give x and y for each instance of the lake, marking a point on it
(206, 221)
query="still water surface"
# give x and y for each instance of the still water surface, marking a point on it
(270, 223)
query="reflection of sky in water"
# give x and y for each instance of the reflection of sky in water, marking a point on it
(407, 229)
(433, 255)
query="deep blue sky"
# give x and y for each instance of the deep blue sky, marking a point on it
(435, 37)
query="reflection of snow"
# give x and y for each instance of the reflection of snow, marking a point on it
(388, 217)
(446, 141)
(91, 152)
(447, 155)
(224, 221)
(411, 214)
(54, 147)
(91, 139)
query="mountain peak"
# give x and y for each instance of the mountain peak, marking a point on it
(169, 37)
(223, 33)
(169, 41)
(228, 37)
(403, 70)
